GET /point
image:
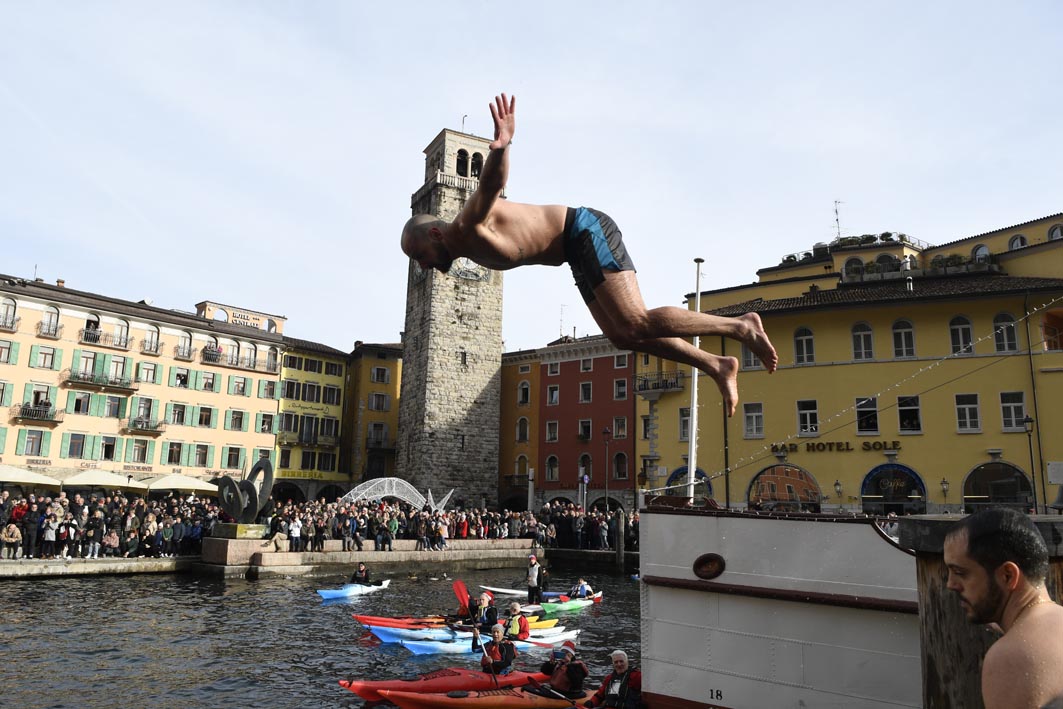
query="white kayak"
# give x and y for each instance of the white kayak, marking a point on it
(464, 647)
(353, 589)
(517, 592)
(398, 635)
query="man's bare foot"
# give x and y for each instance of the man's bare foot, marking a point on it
(726, 378)
(757, 340)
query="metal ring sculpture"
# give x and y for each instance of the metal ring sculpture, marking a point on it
(242, 501)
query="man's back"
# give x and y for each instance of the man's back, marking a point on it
(513, 234)
(1022, 667)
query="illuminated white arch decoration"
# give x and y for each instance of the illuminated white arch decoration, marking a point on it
(378, 488)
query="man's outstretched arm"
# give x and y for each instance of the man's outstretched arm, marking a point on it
(496, 168)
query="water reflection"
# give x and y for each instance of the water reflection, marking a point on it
(166, 641)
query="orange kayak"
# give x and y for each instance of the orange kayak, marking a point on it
(506, 697)
(445, 680)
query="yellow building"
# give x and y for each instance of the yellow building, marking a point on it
(518, 435)
(911, 378)
(93, 382)
(313, 378)
(372, 417)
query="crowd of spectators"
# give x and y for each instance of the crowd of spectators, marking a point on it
(114, 525)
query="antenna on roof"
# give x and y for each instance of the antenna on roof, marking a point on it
(837, 221)
(561, 324)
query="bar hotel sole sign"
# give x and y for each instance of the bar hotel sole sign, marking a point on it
(835, 446)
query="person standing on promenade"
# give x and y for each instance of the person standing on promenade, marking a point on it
(30, 526)
(502, 234)
(997, 564)
(621, 688)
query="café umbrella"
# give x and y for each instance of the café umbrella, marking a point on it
(182, 483)
(10, 475)
(104, 479)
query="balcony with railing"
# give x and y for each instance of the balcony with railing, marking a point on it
(49, 330)
(469, 184)
(41, 413)
(186, 353)
(9, 323)
(218, 356)
(102, 381)
(150, 347)
(92, 336)
(650, 386)
(287, 438)
(145, 424)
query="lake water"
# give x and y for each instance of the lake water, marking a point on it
(182, 641)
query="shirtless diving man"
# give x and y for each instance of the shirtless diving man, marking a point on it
(501, 235)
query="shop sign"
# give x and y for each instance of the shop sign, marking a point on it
(835, 446)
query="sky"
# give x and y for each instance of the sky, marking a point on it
(263, 154)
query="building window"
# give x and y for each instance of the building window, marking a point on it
(620, 361)
(269, 390)
(523, 394)
(586, 466)
(619, 389)
(586, 365)
(1004, 333)
(1013, 410)
(34, 443)
(81, 402)
(863, 346)
(148, 372)
(1016, 242)
(240, 386)
(645, 360)
(237, 420)
(331, 395)
(293, 362)
(380, 375)
(551, 431)
(313, 365)
(76, 446)
(206, 381)
(620, 466)
(750, 360)
(87, 365)
(584, 392)
(206, 415)
(867, 415)
(144, 407)
(289, 423)
(553, 394)
(267, 424)
(522, 430)
(1056, 232)
(808, 417)
(980, 254)
(967, 419)
(524, 369)
(326, 462)
(291, 389)
(140, 451)
(45, 357)
(378, 402)
(112, 407)
(960, 335)
(232, 458)
(585, 429)
(462, 164)
(180, 378)
(202, 458)
(173, 453)
(311, 392)
(754, 420)
(684, 423)
(335, 369)
(903, 339)
(330, 426)
(285, 459)
(309, 460)
(117, 368)
(5, 352)
(804, 346)
(107, 447)
(908, 416)
(553, 369)
(552, 469)
(853, 267)
(619, 427)
(645, 427)
(177, 414)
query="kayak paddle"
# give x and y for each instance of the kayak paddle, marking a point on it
(539, 685)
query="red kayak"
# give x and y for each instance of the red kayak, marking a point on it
(400, 622)
(506, 697)
(445, 680)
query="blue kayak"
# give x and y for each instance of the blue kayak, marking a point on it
(464, 647)
(399, 635)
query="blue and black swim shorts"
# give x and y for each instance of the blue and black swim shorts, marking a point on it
(593, 244)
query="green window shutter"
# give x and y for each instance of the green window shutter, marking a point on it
(129, 453)
(246, 421)
(214, 418)
(224, 456)
(53, 394)
(195, 417)
(158, 374)
(134, 404)
(277, 390)
(249, 384)
(261, 388)
(65, 445)
(151, 451)
(123, 405)
(76, 362)
(103, 364)
(3, 439)
(27, 394)
(232, 384)
(6, 400)
(34, 350)
(243, 457)
(20, 442)
(118, 444)
(70, 401)
(96, 402)
(258, 422)
(169, 413)
(46, 444)
(97, 447)
(173, 376)
(210, 456)
(187, 453)
(14, 353)
(229, 420)
(57, 361)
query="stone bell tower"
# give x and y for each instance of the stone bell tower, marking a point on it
(452, 346)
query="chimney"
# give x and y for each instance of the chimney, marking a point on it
(60, 282)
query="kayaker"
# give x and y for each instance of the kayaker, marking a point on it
(535, 580)
(360, 575)
(566, 673)
(497, 654)
(516, 625)
(621, 688)
(483, 614)
(582, 589)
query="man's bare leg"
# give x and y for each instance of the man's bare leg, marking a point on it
(621, 300)
(722, 370)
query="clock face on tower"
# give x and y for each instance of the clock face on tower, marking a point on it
(469, 270)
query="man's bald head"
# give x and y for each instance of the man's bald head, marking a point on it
(422, 241)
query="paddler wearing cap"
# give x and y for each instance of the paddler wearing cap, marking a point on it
(535, 580)
(566, 673)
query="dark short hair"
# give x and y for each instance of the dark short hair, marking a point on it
(1001, 534)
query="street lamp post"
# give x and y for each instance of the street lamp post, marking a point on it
(607, 433)
(1028, 422)
(945, 491)
(838, 491)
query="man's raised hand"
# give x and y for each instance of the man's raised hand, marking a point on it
(504, 116)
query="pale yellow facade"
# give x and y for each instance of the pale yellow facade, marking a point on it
(372, 418)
